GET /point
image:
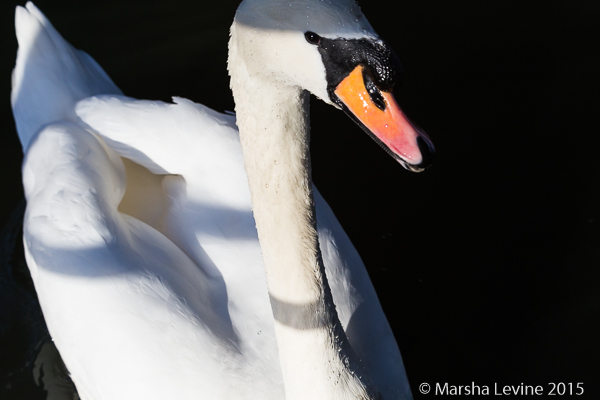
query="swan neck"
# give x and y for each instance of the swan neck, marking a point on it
(316, 358)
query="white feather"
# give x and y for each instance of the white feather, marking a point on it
(150, 273)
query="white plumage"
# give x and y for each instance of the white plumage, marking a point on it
(149, 272)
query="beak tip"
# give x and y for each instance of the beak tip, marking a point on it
(427, 152)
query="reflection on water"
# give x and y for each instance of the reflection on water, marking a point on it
(50, 374)
(31, 367)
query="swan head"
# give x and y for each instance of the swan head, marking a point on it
(329, 48)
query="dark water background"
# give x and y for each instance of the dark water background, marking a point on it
(487, 264)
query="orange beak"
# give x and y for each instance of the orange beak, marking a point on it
(385, 122)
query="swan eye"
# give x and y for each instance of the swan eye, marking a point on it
(312, 37)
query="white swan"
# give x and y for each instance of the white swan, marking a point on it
(153, 286)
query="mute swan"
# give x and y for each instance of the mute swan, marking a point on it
(153, 284)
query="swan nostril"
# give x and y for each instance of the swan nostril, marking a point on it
(373, 90)
(427, 152)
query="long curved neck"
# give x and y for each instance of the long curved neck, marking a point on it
(316, 359)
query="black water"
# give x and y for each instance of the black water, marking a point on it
(488, 264)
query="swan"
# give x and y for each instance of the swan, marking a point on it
(177, 257)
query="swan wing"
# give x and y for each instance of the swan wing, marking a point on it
(50, 76)
(131, 314)
(358, 306)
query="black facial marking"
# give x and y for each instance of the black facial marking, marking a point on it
(341, 56)
(382, 71)
(312, 37)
